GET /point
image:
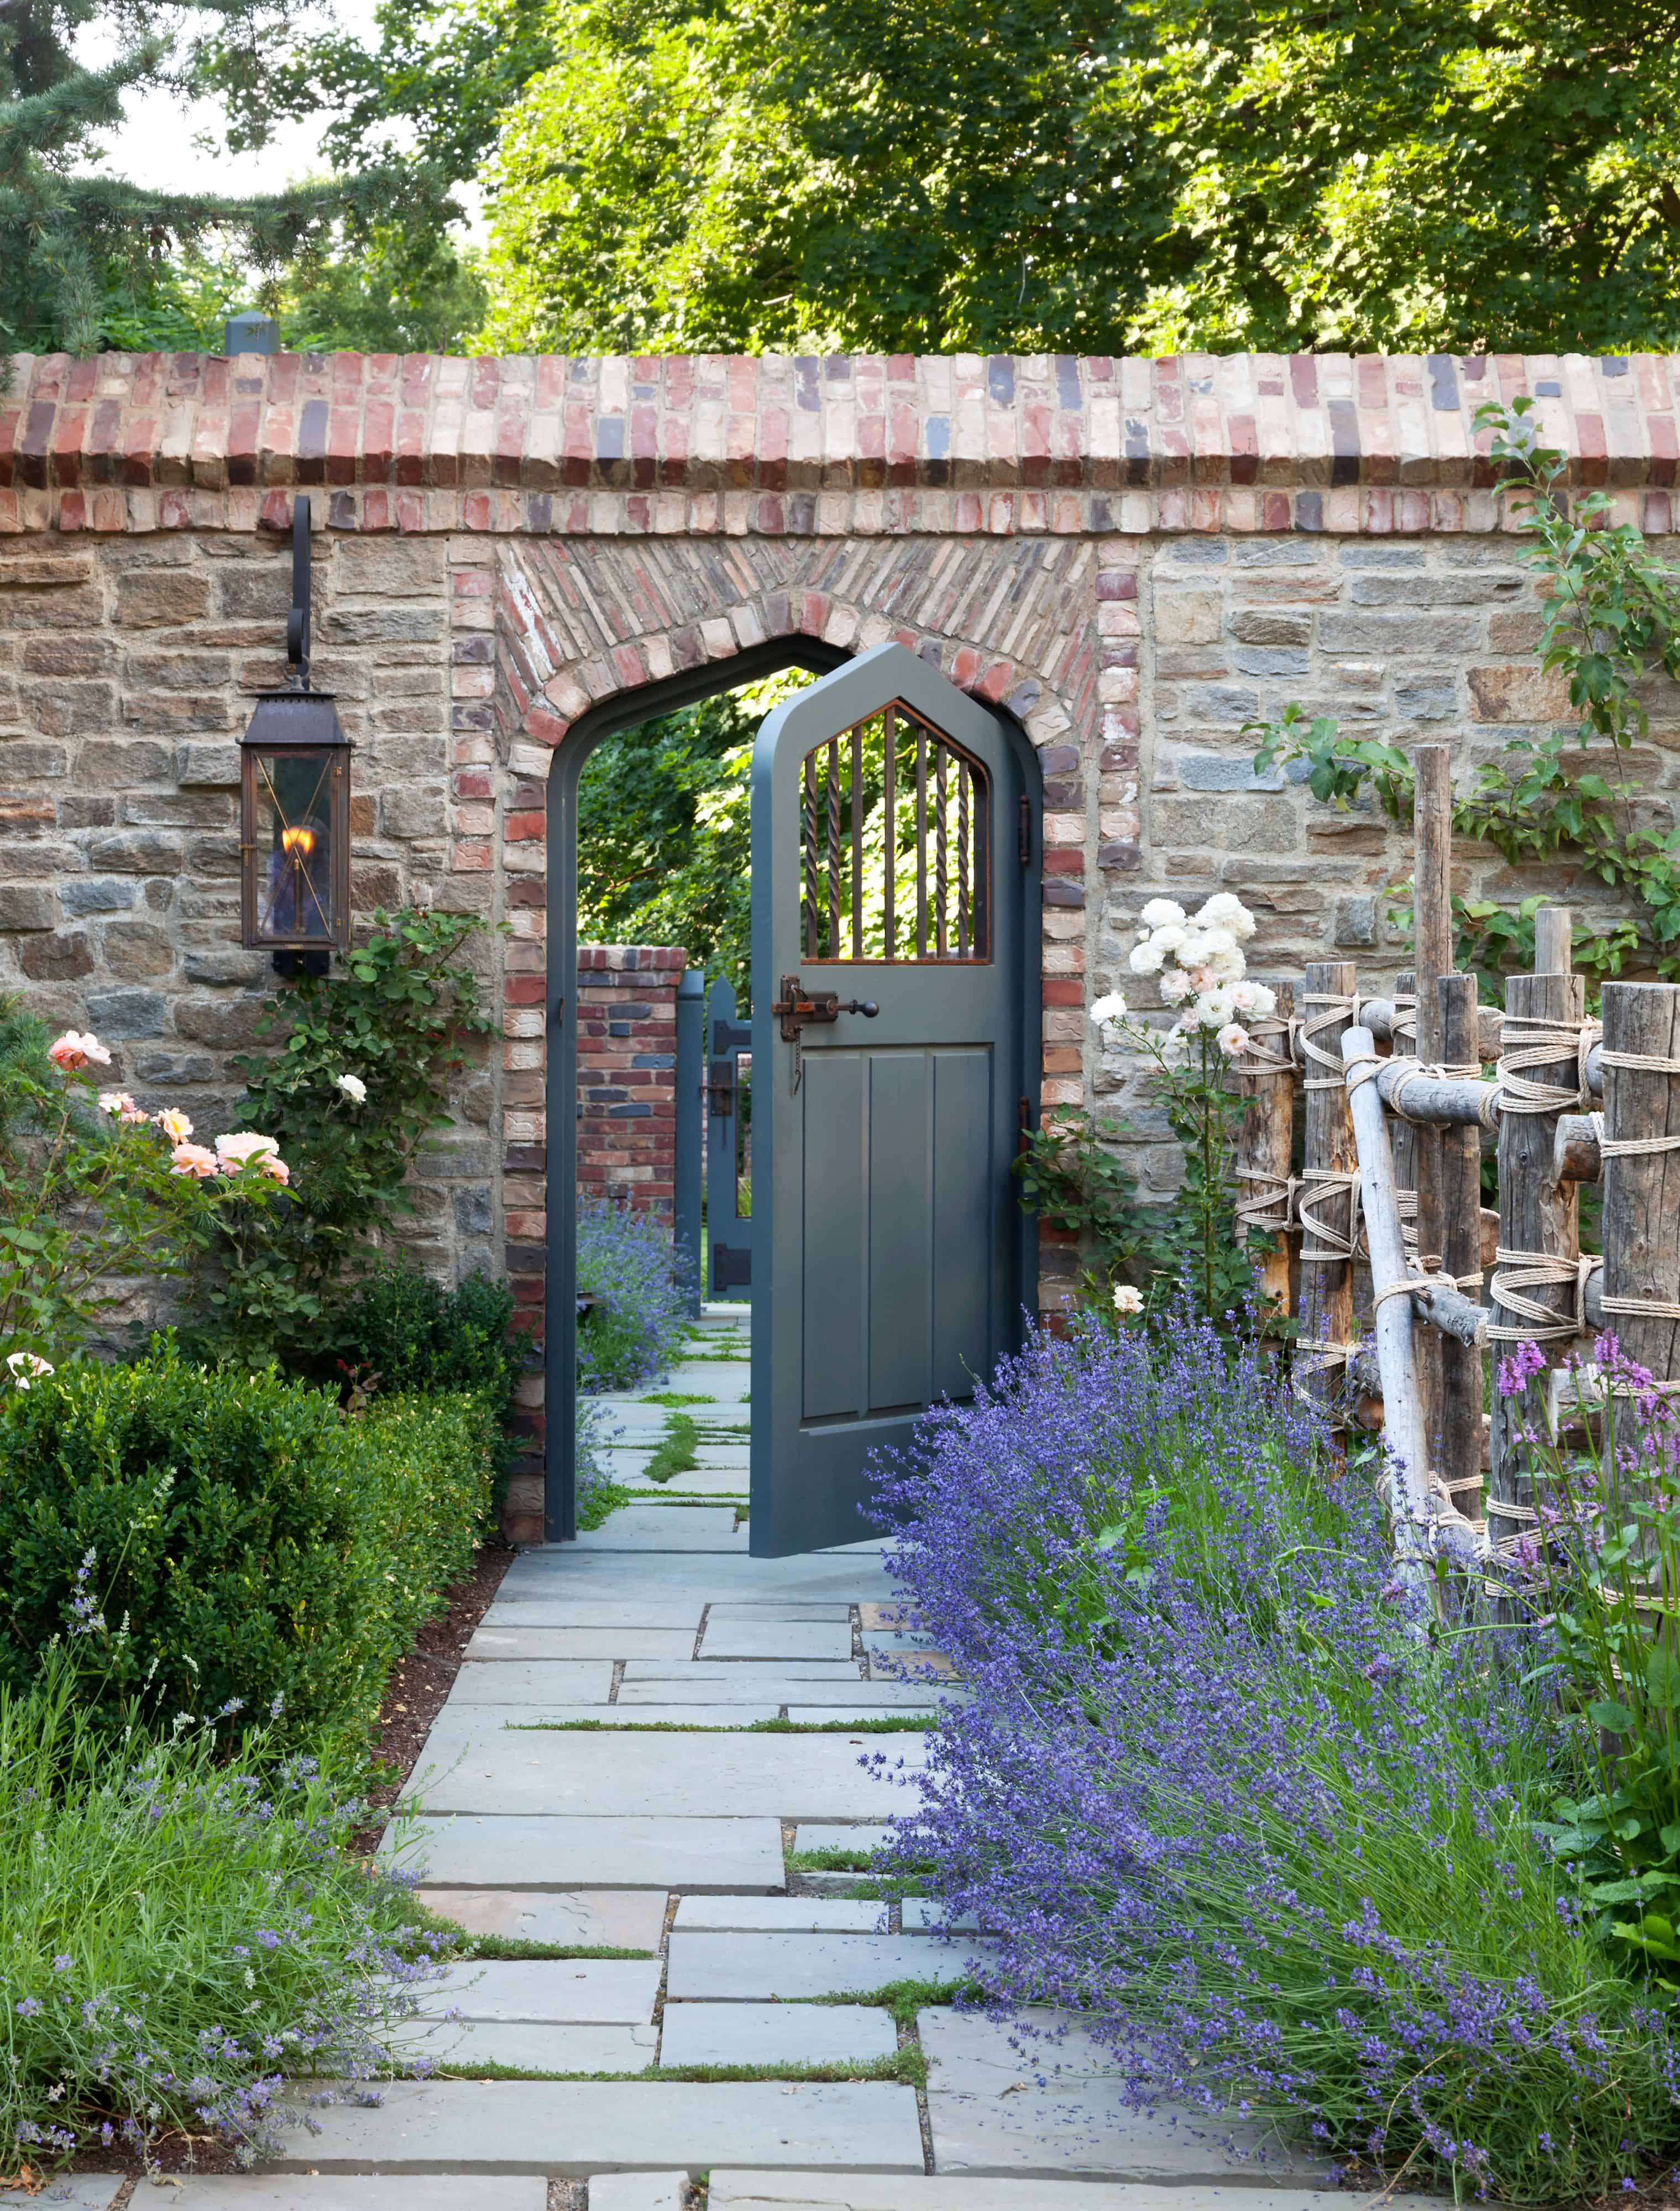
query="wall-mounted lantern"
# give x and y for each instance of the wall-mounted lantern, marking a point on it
(294, 803)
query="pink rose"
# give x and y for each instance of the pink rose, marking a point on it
(175, 1124)
(74, 1050)
(271, 1165)
(194, 1160)
(122, 1108)
(245, 1145)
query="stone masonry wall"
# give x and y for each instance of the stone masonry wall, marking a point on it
(626, 1073)
(1131, 557)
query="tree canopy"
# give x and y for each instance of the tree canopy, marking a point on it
(1048, 175)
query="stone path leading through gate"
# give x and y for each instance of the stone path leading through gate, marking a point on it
(555, 1804)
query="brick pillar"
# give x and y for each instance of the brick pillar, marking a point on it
(626, 1072)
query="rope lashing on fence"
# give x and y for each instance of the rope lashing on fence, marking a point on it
(1320, 1186)
(1542, 1042)
(1271, 1203)
(1405, 1023)
(1536, 1271)
(1313, 1026)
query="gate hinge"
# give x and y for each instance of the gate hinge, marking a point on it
(1023, 825)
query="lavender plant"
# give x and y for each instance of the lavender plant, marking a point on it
(182, 1935)
(633, 1329)
(1221, 1787)
(1602, 1569)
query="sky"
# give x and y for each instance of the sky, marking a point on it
(156, 148)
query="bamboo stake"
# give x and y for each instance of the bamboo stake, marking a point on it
(1641, 1271)
(1327, 1211)
(1462, 1391)
(1265, 1143)
(1538, 1217)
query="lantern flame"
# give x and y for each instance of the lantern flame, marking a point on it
(299, 842)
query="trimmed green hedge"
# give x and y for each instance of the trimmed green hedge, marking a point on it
(249, 1540)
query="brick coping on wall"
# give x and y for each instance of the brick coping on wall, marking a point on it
(812, 446)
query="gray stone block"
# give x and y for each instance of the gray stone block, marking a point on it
(551, 1991)
(206, 765)
(776, 1915)
(1223, 772)
(584, 1919)
(696, 1776)
(565, 2128)
(741, 1636)
(531, 2045)
(513, 1681)
(83, 2191)
(559, 1853)
(1356, 921)
(736, 1968)
(117, 1016)
(523, 1645)
(775, 2034)
(326, 2191)
(887, 2191)
(638, 2191)
(1271, 660)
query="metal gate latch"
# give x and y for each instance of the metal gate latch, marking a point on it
(797, 1006)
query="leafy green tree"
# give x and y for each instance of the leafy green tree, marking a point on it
(663, 832)
(1053, 176)
(83, 254)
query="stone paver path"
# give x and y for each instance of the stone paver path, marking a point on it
(601, 1779)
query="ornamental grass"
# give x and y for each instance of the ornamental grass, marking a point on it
(1221, 1788)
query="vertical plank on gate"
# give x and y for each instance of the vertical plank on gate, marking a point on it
(1265, 1142)
(1326, 1280)
(1432, 956)
(1459, 1457)
(1537, 1214)
(1642, 1188)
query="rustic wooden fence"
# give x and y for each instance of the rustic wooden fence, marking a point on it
(1398, 1276)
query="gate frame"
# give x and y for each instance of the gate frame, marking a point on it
(625, 710)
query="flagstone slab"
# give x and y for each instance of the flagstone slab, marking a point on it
(546, 1852)
(777, 1915)
(572, 1991)
(743, 1776)
(474, 2045)
(585, 1919)
(880, 1700)
(595, 1572)
(777, 1608)
(757, 1967)
(761, 1670)
(775, 2034)
(638, 2191)
(832, 1835)
(567, 2127)
(861, 2191)
(87, 2191)
(551, 1609)
(332, 2191)
(701, 1481)
(1051, 2107)
(668, 1528)
(531, 1680)
(558, 1717)
(503, 1643)
(924, 1915)
(734, 1636)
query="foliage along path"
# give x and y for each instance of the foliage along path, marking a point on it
(600, 1783)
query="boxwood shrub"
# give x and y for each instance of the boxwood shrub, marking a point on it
(195, 1534)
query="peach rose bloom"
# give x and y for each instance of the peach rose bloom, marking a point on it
(175, 1124)
(74, 1050)
(194, 1160)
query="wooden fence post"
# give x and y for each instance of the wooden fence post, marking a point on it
(1265, 1142)
(1641, 1148)
(1460, 1462)
(1534, 1287)
(1328, 1212)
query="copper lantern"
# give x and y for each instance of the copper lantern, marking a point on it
(294, 799)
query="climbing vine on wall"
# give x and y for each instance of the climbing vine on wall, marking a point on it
(1609, 622)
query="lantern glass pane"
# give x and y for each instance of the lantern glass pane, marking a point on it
(294, 838)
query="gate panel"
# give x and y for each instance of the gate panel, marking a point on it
(893, 1045)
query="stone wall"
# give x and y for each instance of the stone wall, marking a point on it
(1131, 558)
(626, 1073)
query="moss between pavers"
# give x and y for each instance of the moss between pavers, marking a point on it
(906, 2067)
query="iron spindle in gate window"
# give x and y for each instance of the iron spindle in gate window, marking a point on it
(889, 803)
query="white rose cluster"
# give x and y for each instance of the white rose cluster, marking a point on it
(1202, 966)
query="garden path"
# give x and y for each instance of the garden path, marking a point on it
(601, 1781)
